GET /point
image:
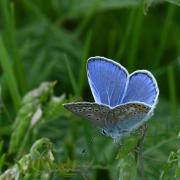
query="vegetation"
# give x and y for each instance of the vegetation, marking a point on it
(44, 46)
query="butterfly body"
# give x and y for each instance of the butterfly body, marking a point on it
(123, 102)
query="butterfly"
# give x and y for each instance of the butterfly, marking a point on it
(123, 101)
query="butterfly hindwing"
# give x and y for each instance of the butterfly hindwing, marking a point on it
(94, 112)
(142, 87)
(127, 117)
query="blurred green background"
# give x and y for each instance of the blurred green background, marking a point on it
(44, 46)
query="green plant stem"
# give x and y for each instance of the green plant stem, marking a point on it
(23, 144)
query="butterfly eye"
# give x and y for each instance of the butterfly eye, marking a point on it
(97, 119)
(89, 115)
(104, 132)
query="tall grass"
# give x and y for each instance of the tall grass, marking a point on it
(9, 76)
(9, 32)
(138, 22)
(47, 41)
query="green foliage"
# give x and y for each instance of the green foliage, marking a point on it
(172, 166)
(44, 46)
(129, 146)
(37, 164)
(7, 10)
(31, 112)
(9, 75)
(125, 166)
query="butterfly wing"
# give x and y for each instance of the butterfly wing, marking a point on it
(96, 113)
(127, 117)
(142, 87)
(107, 80)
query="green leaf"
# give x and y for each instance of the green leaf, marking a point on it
(39, 160)
(36, 105)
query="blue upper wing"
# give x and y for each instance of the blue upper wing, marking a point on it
(142, 87)
(107, 80)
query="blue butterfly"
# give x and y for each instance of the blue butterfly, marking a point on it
(123, 101)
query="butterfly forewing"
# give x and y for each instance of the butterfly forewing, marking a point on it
(96, 113)
(107, 80)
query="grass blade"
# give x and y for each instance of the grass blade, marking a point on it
(164, 35)
(123, 46)
(10, 39)
(136, 35)
(71, 77)
(172, 91)
(82, 74)
(9, 76)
